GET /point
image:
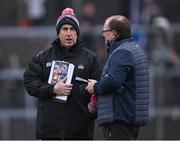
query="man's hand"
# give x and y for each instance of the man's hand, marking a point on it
(61, 88)
(92, 105)
(90, 86)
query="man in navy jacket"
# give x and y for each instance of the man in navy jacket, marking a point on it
(123, 90)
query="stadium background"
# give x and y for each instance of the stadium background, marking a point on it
(28, 26)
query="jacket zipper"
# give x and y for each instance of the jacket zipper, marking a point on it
(110, 134)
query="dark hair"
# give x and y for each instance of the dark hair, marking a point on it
(121, 25)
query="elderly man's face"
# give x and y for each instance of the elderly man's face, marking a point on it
(107, 32)
(67, 36)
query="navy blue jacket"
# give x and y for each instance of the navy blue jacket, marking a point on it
(123, 91)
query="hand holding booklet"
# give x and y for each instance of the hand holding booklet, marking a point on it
(59, 70)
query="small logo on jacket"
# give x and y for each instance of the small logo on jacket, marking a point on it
(81, 66)
(48, 64)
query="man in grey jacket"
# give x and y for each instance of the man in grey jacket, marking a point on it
(123, 90)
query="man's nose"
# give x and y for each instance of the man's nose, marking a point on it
(69, 32)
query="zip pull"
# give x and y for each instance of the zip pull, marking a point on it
(109, 130)
(110, 134)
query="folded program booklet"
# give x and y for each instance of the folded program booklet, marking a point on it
(59, 70)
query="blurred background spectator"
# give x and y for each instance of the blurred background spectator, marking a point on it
(35, 13)
(87, 23)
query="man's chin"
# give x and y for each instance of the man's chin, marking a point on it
(69, 45)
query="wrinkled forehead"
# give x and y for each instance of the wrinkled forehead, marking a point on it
(106, 24)
(67, 26)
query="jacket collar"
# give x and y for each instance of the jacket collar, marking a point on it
(56, 43)
(64, 52)
(117, 43)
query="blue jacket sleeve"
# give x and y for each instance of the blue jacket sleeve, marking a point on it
(120, 65)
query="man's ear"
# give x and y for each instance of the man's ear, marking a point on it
(115, 34)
